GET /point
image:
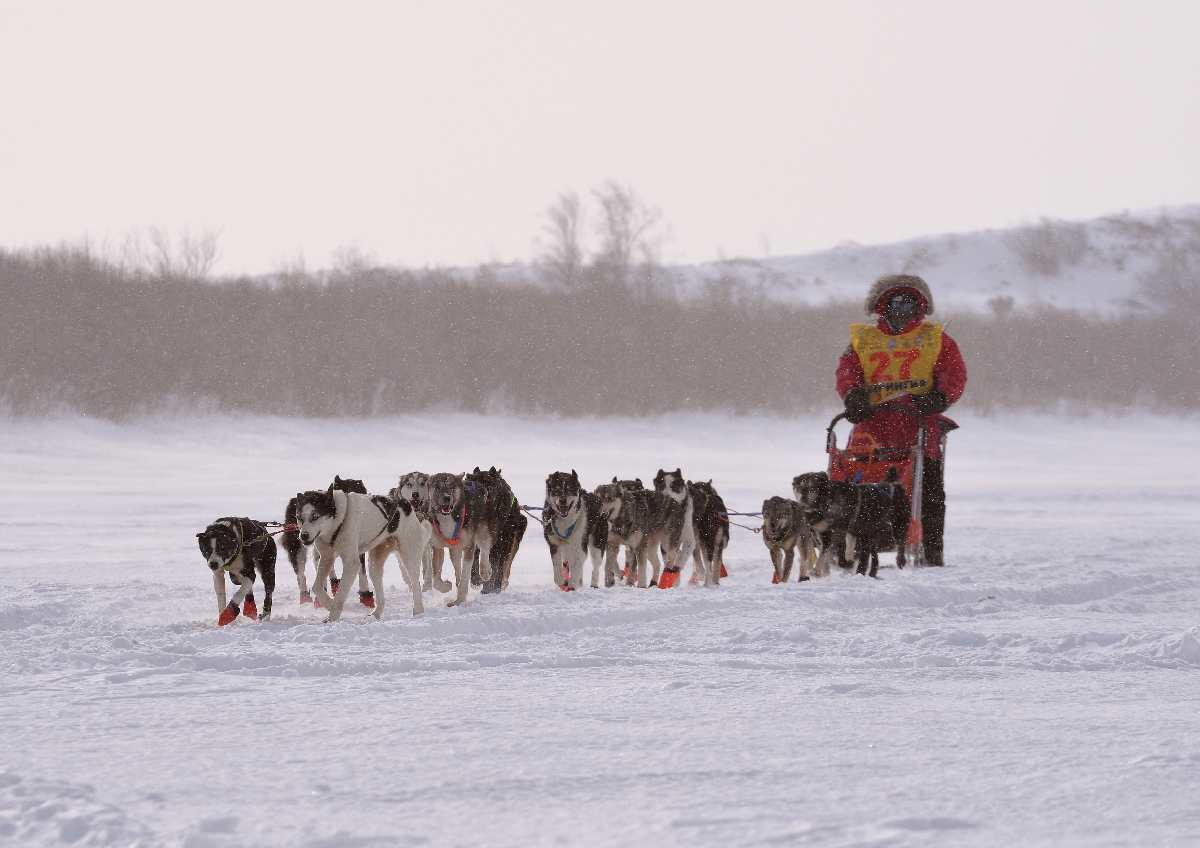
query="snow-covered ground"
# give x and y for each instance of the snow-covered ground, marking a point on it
(1090, 265)
(1042, 689)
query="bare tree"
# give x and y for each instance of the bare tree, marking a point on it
(352, 261)
(154, 255)
(626, 229)
(563, 253)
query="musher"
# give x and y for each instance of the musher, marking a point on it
(904, 360)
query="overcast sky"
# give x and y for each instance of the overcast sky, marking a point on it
(437, 133)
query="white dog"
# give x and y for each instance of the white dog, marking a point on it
(348, 524)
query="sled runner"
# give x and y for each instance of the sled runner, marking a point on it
(865, 461)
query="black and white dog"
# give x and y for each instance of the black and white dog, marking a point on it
(242, 548)
(677, 524)
(414, 488)
(710, 524)
(636, 520)
(504, 513)
(575, 529)
(297, 551)
(785, 528)
(462, 524)
(855, 521)
(349, 524)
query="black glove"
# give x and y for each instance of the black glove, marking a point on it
(858, 405)
(931, 404)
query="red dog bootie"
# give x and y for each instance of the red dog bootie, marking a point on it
(367, 599)
(774, 578)
(668, 578)
(724, 573)
(306, 599)
(227, 615)
(317, 604)
(250, 609)
(333, 584)
(693, 580)
(566, 574)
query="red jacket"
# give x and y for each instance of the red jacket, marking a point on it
(898, 429)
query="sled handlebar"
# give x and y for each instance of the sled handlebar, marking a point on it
(831, 439)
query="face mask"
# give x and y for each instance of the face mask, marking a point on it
(900, 310)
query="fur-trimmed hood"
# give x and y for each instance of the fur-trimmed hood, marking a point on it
(897, 281)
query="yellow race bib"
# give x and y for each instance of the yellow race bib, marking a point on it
(894, 365)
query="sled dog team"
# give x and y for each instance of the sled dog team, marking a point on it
(476, 518)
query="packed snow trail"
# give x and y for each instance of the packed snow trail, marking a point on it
(1043, 688)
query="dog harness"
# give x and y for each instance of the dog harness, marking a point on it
(554, 529)
(453, 540)
(241, 532)
(774, 542)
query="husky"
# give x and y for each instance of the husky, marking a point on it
(854, 522)
(347, 524)
(240, 547)
(575, 529)
(504, 513)
(414, 488)
(710, 524)
(461, 525)
(297, 552)
(637, 520)
(785, 528)
(677, 523)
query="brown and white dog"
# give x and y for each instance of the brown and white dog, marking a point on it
(462, 526)
(785, 528)
(414, 488)
(636, 520)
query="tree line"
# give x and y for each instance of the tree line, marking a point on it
(610, 337)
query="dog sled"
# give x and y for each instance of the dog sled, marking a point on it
(864, 461)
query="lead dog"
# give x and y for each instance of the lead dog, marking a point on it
(297, 551)
(575, 529)
(348, 525)
(677, 524)
(710, 524)
(636, 519)
(240, 547)
(414, 488)
(785, 528)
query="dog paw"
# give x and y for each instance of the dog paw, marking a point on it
(228, 615)
(306, 599)
(367, 599)
(775, 579)
(803, 577)
(250, 610)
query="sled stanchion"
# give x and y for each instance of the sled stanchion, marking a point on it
(914, 540)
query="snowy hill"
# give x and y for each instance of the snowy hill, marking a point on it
(1097, 264)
